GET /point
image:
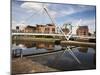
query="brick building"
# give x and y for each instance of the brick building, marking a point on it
(50, 28)
(40, 28)
(29, 29)
(82, 31)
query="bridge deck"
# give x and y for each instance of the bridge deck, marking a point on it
(52, 34)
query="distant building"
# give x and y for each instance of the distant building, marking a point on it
(50, 28)
(40, 28)
(82, 31)
(65, 30)
(29, 29)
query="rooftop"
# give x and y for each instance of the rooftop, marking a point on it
(30, 26)
(83, 27)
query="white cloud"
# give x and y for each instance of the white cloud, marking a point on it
(66, 10)
(91, 24)
(53, 13)
(31, 5)
(61, 13)
(88, 22)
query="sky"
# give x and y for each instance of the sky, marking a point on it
(31, 13)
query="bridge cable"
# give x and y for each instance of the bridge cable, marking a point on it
(67, 38)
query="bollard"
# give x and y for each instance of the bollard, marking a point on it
(21, 53)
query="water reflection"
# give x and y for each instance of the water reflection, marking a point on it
(30, 44)
(83, 49)
(87, 56)
(94, 58)
(48, 46)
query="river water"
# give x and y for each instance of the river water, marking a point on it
(61, 60)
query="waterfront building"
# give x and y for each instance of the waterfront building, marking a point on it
(50, 28)
(40, 28)
(29, 29)
(82, 31)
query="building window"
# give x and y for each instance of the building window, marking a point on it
(53, 29)
(84, 33)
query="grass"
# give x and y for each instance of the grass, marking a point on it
(39, 39)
